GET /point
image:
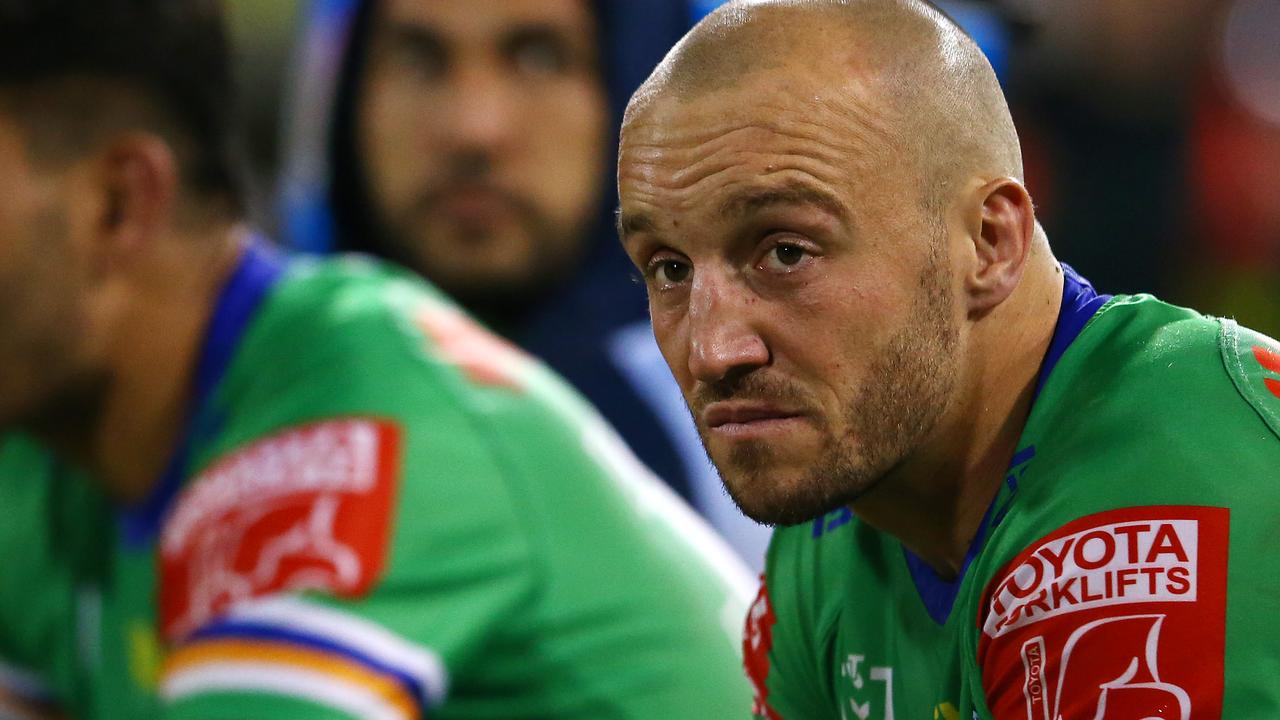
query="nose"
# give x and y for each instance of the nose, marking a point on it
(722, 330)
(483, 110)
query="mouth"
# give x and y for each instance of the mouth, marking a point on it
(476, 204)
(750, 419)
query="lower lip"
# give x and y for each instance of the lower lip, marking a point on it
(755, 429)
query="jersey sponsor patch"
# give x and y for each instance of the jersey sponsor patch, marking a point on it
(307, 508)
(757, 641)
(1118, 614)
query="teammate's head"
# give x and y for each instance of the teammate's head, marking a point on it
(480, 135)
(114, 125)
(822, 197)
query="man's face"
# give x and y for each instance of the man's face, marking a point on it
(483, 127)
(799, 289)
(42, 323)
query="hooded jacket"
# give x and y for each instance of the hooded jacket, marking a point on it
(593, 330)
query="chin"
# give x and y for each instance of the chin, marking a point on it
(772, 500)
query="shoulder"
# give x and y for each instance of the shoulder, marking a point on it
(1148, 477)
(342, 451)
(1153, 404)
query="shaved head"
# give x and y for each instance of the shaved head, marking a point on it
(905, 76)
(825, 199)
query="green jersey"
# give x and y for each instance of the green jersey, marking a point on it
(1123, 571)
(379, 511)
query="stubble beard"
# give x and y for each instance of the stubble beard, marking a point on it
(907, 390)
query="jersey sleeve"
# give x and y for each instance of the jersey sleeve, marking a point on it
(1143, 583)
(352, 547)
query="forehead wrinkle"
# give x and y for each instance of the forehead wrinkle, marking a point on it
(799, 123)
(678, 163)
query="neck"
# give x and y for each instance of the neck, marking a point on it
(143, 408)
(935, 500)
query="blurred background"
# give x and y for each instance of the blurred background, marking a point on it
(1151, 130)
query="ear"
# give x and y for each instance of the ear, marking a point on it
(138, 177)
(1002, 232)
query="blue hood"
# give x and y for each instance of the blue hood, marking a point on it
(323, 205)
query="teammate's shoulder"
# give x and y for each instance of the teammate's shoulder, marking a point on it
(355, 314)
(341, 304)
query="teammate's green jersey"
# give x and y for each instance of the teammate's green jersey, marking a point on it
(380, 511)
(1123, 572)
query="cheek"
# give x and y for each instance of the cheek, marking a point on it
(392, 140)
(671, 333)
(566, 131)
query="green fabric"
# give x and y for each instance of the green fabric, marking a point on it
(1151, 406)
(528, 551)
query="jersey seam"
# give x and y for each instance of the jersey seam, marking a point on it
(827, 638)
(1229, 345)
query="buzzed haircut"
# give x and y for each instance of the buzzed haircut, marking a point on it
(71, 70)
(933, 92)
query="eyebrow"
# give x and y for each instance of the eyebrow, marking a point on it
(742, 204)
(630, 223)
(791, 194)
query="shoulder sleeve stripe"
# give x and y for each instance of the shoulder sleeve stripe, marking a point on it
(268, 638)
(359, 637)
(356, 698)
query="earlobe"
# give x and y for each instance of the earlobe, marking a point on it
(1002, 242)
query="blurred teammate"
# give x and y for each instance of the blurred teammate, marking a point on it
(238, 487)
(1011, 497)
(474, 142)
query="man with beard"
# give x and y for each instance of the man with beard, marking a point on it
(238, 486)
(1005, 495)
(473, 143)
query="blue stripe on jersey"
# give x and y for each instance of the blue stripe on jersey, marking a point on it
(258, 270)
(1079, 304)
(257, 631)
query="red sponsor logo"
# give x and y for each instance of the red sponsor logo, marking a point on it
(307, 508)
(483, 357)
(757, 641)
(1270, 360)
(1116, 615)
